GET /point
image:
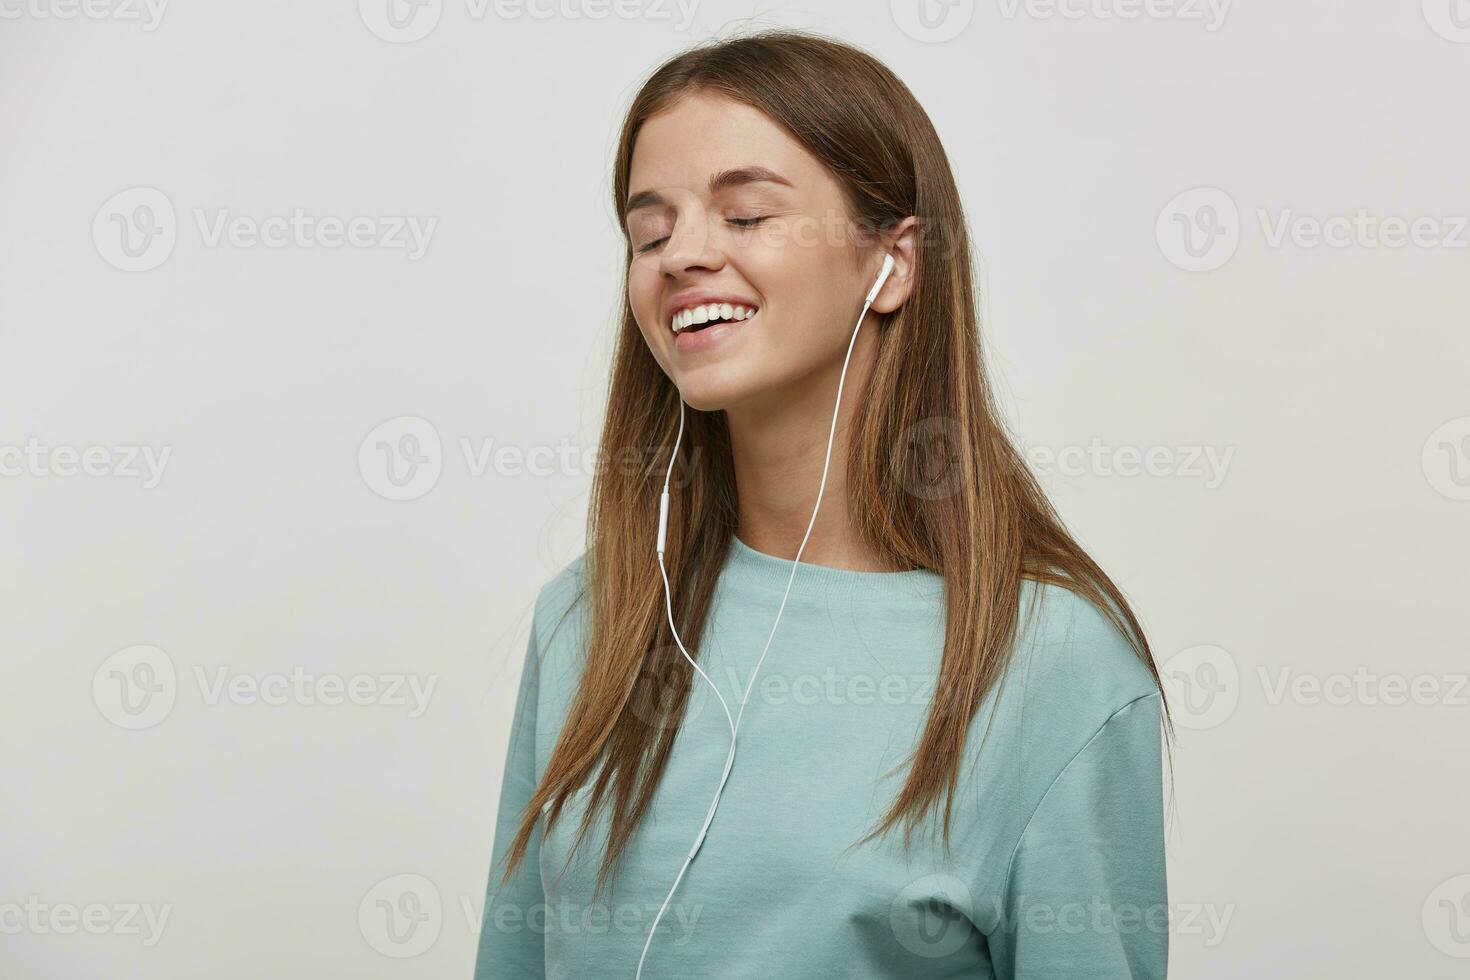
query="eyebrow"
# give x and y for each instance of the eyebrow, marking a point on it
(720, 181)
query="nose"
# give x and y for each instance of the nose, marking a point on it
(690, 244)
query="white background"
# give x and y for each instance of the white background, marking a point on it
(1324, 835)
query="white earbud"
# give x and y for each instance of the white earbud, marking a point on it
(663, 528)
(882, 278)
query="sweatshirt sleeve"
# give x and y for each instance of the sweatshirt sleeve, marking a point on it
(1086, 894)
(512, 930)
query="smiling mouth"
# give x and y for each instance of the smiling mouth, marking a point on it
(697, 318)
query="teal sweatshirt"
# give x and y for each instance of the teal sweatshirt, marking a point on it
(1056, 862)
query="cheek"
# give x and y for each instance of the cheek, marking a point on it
(644, 295)
(795, 269)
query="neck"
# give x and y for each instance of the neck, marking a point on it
(777, 447)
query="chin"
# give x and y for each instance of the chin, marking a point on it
(714, 394)
(708, 398)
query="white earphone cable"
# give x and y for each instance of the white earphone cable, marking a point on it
(669, 607)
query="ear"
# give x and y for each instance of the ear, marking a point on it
(902, 244)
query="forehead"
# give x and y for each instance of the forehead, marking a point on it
(703, 133)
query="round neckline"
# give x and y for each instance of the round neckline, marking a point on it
(747, 566)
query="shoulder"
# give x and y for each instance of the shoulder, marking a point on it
(560, 596)
(1071, 659)
(1072, 677)
(560, 627)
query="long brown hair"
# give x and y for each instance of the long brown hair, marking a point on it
(989, 527)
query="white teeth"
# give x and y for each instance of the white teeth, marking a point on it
(711, 311)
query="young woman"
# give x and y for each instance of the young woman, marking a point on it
(854, 579)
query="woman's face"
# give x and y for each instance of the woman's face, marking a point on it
(772, 235)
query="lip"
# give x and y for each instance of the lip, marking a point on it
(685, 300)
(698, 341)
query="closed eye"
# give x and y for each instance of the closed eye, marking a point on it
(737, 222)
